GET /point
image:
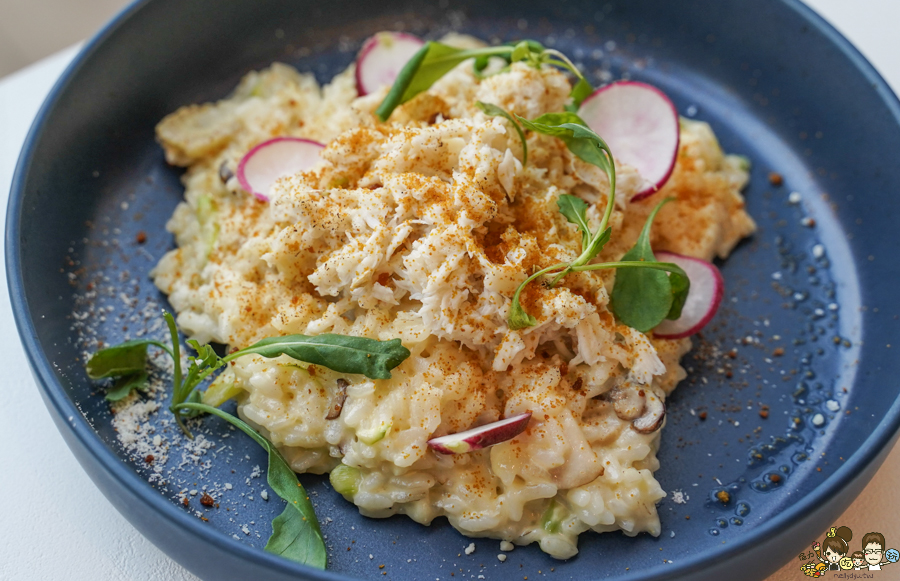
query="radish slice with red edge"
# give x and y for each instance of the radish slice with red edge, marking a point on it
(381, 58)
(482, 436)
(640, 125)
(273, 159)
(707, 289)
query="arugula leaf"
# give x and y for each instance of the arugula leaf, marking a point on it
(295, 532)
(643, 297)
(343, 353)
(126, 384)
(494, 111)
(369, 357)
(430, 63)
(404, 79)
(206, 356)
(575, 210)
(126, 358)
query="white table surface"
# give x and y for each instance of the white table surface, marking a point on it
(57, 525)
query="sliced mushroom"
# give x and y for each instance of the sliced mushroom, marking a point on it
(225, 172)
(339, 399)
(653, 416)
(628, 402)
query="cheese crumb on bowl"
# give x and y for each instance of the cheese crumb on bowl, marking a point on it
(421, 229)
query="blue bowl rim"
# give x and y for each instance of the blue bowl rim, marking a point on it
(881, 436)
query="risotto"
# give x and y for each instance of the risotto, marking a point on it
(421, 229)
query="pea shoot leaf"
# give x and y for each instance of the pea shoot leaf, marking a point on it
(494, 111)
(681, 286)
(597, 244)
(643, 297)
(575, 210)
(577, 136)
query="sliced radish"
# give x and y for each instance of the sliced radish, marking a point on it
(640, 125)
(273, 159)
(707, 288)
(381, 58)
(482, 436)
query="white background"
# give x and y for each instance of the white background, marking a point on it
(57, 525)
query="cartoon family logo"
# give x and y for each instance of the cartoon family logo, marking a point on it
(832, 555)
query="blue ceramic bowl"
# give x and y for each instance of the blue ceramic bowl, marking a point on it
(777, 84)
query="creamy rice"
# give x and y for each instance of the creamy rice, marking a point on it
(422, 228)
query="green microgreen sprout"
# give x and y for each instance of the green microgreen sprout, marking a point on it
(649, 291)
(646, 291)
(295, 533)
(495, 111)
(434, 60)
